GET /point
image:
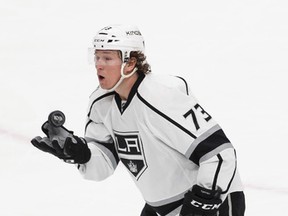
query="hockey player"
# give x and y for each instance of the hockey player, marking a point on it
(178, 156)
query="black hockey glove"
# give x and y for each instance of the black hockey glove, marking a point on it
(63, 144)
(53, 143)
(76, 148)
(201, 202)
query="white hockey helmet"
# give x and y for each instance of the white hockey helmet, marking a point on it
(125, 38)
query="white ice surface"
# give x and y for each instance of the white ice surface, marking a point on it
(233, 53)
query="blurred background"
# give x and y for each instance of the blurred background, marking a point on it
(232, 53)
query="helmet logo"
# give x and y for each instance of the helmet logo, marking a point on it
(98, 40)
(107, 28)
(130, 33)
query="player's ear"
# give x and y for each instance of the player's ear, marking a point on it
(131, 64)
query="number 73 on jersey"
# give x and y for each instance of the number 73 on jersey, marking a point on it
(191, 113)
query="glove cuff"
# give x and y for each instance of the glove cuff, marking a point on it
(205, 193)
(77, 149)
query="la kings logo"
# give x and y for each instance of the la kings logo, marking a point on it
(130, 151)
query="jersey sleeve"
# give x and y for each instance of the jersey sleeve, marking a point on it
(218, 171)
(180, 122)
(104, 158)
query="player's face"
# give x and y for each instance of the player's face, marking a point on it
(108, 66)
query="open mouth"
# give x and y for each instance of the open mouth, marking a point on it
(101, 77)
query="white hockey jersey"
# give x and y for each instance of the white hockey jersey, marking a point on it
(165, 139)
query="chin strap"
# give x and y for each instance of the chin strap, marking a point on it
(123, 76)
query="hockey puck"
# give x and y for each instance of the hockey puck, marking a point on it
(56, 118)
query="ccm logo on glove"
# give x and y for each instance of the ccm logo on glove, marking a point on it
(205, 206)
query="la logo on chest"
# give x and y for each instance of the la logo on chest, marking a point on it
(131, 153)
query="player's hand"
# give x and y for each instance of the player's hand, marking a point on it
(201, 202)
(61, 143)
(46, 145)
(74, 150)
(54, 141)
